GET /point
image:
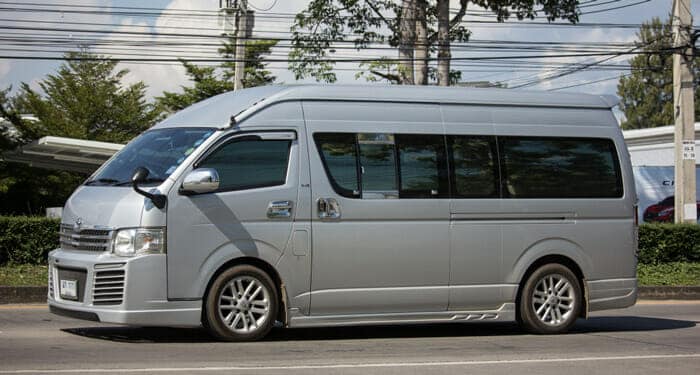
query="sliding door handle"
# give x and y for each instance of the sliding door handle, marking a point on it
(279, 209)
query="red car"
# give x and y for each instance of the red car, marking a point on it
(663, 211)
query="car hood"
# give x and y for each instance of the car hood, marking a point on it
(109, 207)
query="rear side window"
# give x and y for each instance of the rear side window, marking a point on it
(385, 166)
(474, 166)
(538, 167)
(378, 165)
(339, 154)
(250, 163)
(422, 166)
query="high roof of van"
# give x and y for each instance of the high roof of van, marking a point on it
(217, 111)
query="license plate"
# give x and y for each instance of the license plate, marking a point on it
(69, 289)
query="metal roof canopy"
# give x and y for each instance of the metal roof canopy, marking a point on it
(68, 154)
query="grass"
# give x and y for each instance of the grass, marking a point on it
(676, 273)
(24, 274)
(679, 273)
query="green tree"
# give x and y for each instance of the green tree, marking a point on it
(417, 28)
(84, 99)
(214, 80)
(87, 100)
(646, 95)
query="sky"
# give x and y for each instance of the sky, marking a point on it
(171, 77)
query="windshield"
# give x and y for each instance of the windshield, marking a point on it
(160, 151)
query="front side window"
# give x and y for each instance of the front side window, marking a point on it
(249, 163)
(536, 167)
(161, 151)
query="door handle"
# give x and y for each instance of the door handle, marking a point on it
(328, 208)
(279, 209)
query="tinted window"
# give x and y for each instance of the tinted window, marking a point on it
(245, 164)
(339, 154)
(474, 166)
(378, 165)
(422, 166)
(559, 168)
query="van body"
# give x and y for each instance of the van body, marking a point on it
(341, 205)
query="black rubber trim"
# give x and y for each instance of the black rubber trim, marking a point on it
(84, 315)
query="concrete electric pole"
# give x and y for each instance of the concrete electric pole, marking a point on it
(240, 44)
(684, 113)
(243, 23)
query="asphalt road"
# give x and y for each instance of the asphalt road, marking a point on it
(649, 338)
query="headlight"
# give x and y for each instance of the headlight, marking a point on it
(130, 242)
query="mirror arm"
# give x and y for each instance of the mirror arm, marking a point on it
(157, 199)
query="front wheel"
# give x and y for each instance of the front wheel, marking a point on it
(550, 300)
(241, 304)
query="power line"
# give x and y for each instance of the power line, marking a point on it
(590, 82)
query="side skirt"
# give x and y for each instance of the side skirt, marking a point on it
(505, 313)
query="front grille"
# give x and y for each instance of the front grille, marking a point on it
(84, 239)
(108, 287)
(51, 282)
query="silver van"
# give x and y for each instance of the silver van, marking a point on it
(346, 205)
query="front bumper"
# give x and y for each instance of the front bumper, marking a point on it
(118, 290)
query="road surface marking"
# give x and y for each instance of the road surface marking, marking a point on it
(350, 365)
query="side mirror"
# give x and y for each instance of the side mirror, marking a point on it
(141, 175)
(200, 181)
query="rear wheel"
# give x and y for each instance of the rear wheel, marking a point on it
(550, 300)
(241, 304)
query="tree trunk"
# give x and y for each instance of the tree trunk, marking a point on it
(407, 29)
(421, 50)
(443, 12)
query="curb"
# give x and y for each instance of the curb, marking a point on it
(37, 294)
(23, 294)
(669, 292)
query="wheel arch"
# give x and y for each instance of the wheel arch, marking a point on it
(556, 259)
(552, 250)
(262, 265)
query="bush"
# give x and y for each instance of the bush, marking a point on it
(27, 239)
(664, 243)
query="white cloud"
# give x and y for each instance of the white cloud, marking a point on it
(4, 68)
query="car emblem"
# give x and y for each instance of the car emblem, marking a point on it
(78, 224)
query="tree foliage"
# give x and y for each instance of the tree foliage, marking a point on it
(214, 80)
(647, 93)
(325, 24)
(86, 99)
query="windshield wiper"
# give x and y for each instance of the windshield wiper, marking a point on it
(146, 181)
(105, 181)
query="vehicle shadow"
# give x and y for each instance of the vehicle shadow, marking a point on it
(195, 335)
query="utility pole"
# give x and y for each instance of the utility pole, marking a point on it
(240, 44)
(684, 113)
(244, 22)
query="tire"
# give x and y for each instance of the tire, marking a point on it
(241, 304)
(544, 311)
